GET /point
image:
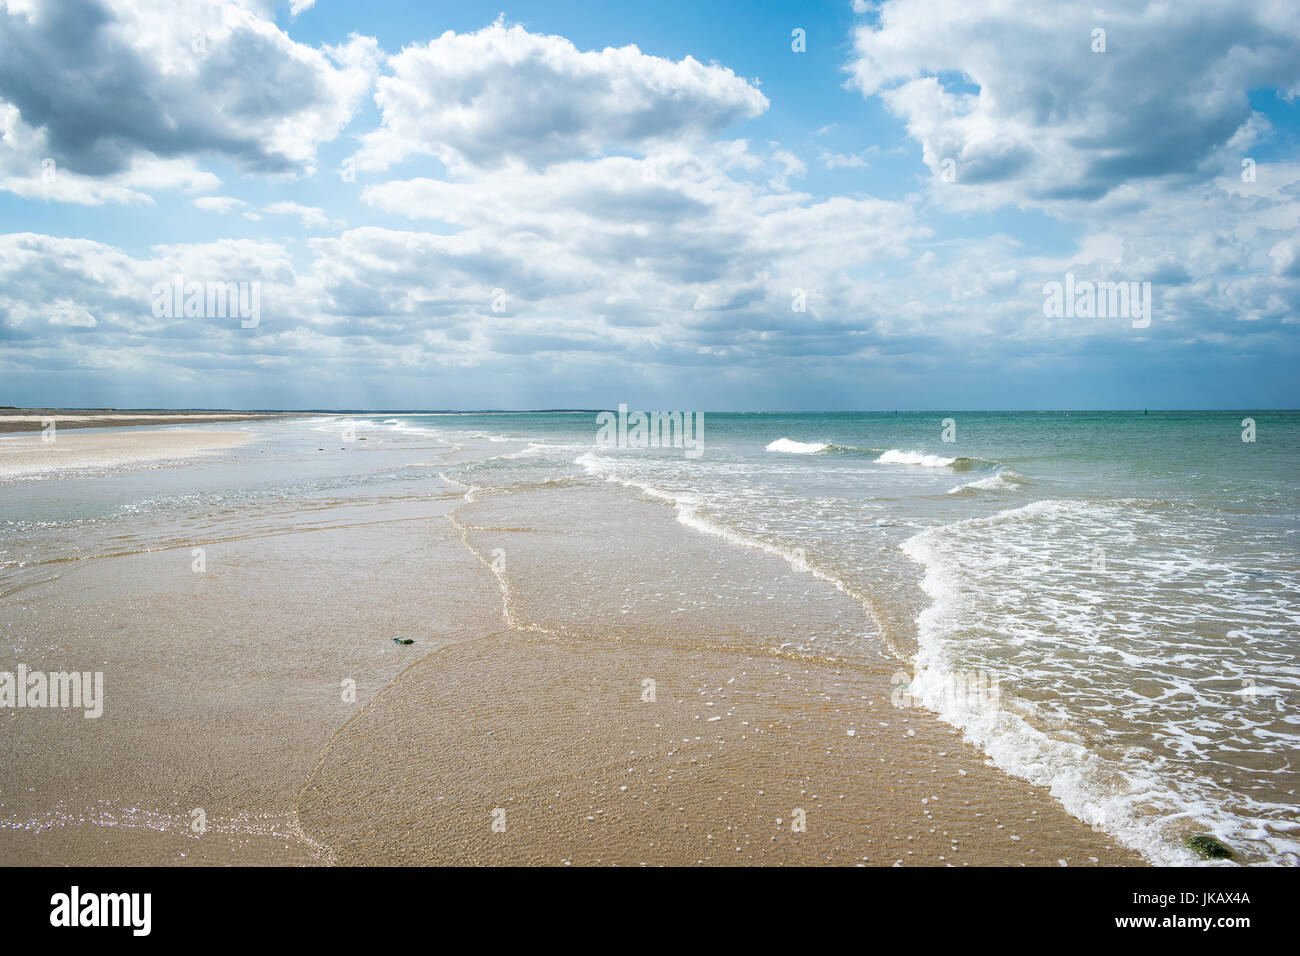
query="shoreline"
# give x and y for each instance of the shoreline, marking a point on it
(22, 456)
(538, 614)
(903, 763)
(19, 420)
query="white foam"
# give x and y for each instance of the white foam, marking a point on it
(791, 447)
(1005, 480)
(1014, 593)
(539, 450)
(896, 457)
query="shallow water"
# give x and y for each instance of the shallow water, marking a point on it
(1128, 583)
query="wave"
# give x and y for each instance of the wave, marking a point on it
(1066, 768)
(1004, 480)
(896, 456)
(1148, 804)
(792, 447)
(336, 425)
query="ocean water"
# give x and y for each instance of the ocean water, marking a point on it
(1107, 603)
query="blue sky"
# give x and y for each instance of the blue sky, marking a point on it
(560, 204)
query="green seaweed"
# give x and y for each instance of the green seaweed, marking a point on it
(403, 640)
(1208, 848)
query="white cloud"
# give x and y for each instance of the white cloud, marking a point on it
(503, 95)
(127, 93)
(1286, 258)
(1016, 98)
(313, 217)
(592, 188)
(221, 204)
(842, 161)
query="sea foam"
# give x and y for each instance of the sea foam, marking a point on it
(792, 447)
(896, 457)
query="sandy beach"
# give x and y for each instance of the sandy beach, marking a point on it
(21, 455)
(259, 691)
(37, 419)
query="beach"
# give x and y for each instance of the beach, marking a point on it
(490, 639)
(600, 671)
(63, 452)
(549, 721)
(37, 419)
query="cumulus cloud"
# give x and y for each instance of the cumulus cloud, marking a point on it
(1023, 109)
(126, 93)
(667, 236)
(695, 258)
(582, 220)
(503, 95)
(28, 170)
(1286, 258)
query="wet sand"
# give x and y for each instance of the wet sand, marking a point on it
(757, 687)
(22, 455)
(221, 687)
(516, 729)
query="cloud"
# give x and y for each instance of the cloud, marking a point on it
(503, 95)
(1017, 99)
(590, 197)
(1286, 258)
(221, 204)
(679, 217)
(841, 161)
(106, 89)
(313, 217)
(28, 169)
(678, 262)
(698, 254)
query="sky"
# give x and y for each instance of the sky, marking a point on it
(704, 205)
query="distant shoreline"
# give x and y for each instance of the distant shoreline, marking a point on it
(34, 419)
(14, 419)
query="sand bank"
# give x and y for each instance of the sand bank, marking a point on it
(23, 455)
(35, 419)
